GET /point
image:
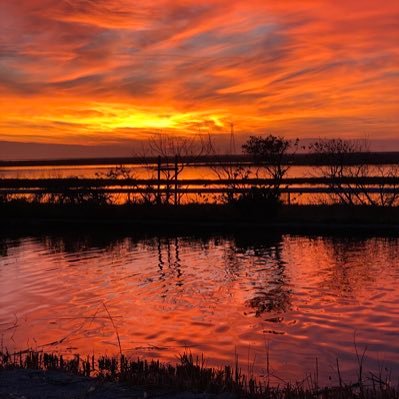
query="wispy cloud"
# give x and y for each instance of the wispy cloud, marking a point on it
(79, 70)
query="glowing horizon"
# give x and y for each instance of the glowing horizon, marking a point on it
(92, 72)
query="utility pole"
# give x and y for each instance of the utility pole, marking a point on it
(159, 162)
(176, 173)
(232, 139)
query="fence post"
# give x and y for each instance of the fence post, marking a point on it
(176, 172)
(159, 180)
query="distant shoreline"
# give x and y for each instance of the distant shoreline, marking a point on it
(299, 159)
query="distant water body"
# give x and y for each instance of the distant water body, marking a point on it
(292, 298)
(92, 171)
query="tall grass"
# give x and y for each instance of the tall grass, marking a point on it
(190, 373)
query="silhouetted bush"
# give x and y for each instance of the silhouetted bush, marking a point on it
(269, 154)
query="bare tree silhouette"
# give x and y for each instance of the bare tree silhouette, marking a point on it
(344, 165)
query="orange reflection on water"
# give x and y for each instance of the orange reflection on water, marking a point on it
(303, 297)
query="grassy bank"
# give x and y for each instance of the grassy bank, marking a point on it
(190, 374)
(194, 216)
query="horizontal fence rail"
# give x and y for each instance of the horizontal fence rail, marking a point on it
(63, 183)
(206, 190)
(300, 185)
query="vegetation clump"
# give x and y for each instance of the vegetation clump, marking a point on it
(190, 374)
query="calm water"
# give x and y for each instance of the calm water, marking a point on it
(301, 297)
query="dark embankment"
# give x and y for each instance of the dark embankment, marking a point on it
(307, 218)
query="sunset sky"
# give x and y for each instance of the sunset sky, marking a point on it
(110, 72)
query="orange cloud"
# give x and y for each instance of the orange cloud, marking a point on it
(97, 71)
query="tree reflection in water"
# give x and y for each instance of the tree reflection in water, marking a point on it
(3, 248)
(271, 292)
(7, 243)
(171, 267)
(254, 261)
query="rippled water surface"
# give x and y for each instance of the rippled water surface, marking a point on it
(295, 298)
